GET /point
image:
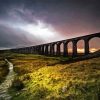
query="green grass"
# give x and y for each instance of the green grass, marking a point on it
(3, 70)
(45, 78)
(3, 66)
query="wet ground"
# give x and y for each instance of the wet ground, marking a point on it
(7, 83)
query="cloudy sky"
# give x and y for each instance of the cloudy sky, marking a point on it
(31, 22)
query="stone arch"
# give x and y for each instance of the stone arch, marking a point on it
(42, 49)
(55, 49)
(70, 48)
(87, 40)
(80, 47)
(48, 48)
(58, 49)
(45, 49)
(93, 36)
(32, 49)
(35, 49)
(61, 48)
(94, 44)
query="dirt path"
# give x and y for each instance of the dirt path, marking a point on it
(7, 83)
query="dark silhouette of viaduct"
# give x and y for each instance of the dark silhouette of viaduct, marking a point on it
(49, 48)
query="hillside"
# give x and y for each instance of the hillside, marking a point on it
(45, 78)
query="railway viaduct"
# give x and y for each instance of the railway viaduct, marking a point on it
(48, 48)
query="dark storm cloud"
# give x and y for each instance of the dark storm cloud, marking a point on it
(68, 17)
(55, 12)
(49, 9)
(15, 38)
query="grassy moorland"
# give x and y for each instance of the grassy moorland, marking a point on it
(46, 78)
(3, 69)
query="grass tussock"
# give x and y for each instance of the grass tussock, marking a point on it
(3, 70)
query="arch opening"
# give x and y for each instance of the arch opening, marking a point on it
(48, 49)
(94, 44)
(70, 50)
(80, 47)
(61, 48)
(55, 49)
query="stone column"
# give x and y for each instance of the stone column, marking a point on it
(53, 53)
(29, 50)
(32, 50)
(42, 50)
(86, 42)
(46, 50)
(74, 48)
(39, 49)
(50, 49)
(36, 49)
(58, 49)
(23, 50)
(26, 50)
(65, 49)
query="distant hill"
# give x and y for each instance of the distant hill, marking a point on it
(92, 55)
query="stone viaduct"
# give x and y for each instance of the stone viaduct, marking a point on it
(49, 48)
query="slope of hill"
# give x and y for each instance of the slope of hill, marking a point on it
(45, 78)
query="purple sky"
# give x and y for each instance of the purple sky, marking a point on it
(20, 21)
